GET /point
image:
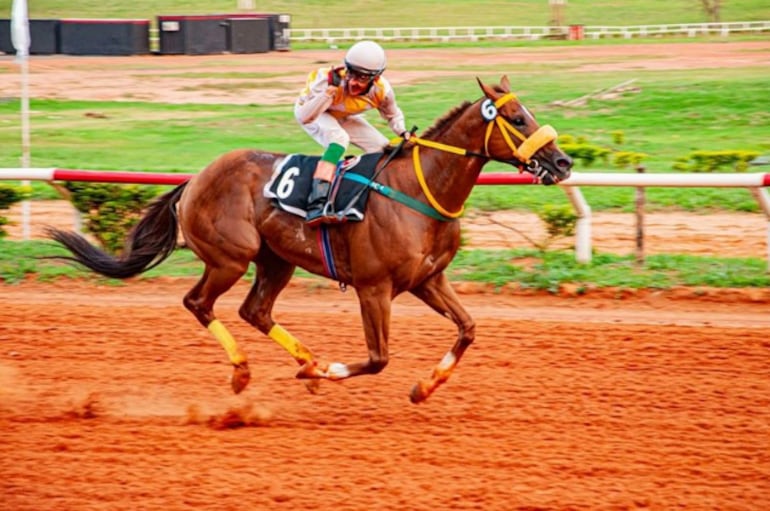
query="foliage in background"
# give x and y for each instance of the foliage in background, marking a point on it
(110, 210)
(9, 195)
(714, 161)
(583, 152)
(560, 222)
(628, 159)
(521, 267)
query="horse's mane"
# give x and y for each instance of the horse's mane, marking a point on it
(446, 120)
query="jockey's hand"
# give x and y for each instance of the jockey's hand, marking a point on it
(334, 78)
(406, 135)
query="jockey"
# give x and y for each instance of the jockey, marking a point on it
(330, 109)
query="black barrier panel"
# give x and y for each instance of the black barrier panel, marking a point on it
(43, 36)
(6, 45)
(192, 35)
(205, 36)
(200, 34)
(104, 37)
(248, 35)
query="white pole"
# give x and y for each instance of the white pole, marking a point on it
(583, 224)
(20, 40)
(26, 206)
(763, 197)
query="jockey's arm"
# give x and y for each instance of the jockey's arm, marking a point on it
(390, 111)
(315, 98)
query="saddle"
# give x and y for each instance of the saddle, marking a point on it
(289, 186)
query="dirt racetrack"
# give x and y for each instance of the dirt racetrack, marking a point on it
(114, 398)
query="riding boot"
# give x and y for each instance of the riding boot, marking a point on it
(319, 209)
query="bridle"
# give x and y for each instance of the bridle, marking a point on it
(521, 154)
(528, 146)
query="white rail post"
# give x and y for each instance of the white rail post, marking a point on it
(763, 198)
(583, 227)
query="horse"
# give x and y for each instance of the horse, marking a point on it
(399, 246)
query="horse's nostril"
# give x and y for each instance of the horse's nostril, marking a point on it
(564, 163)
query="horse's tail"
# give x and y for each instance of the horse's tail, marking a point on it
(150, 242)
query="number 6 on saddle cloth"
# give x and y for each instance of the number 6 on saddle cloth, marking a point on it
(290, 184)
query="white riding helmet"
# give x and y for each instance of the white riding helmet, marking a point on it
(366, 58)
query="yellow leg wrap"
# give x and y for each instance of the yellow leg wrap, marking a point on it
(227, 341)
(290, 343)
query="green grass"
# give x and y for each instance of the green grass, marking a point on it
(422, 13)
(19, 260)
(674, 113)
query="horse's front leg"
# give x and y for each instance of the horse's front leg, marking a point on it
(375, 312)
(438, 293)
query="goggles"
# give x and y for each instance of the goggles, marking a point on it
(362, 75)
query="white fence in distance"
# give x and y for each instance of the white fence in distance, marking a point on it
(447, 34)
(756, 182)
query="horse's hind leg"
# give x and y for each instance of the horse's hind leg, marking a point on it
(200, 301)
(272, 276)
(438, 293)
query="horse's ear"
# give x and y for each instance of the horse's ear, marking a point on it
(488, 91)
(505, 84)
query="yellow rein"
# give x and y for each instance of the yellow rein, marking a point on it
(523, 153)
(421, 179)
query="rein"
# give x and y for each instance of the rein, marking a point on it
(489, 110)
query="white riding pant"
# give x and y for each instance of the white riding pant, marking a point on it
(353, 129)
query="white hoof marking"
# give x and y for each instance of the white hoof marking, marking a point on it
(338, 370)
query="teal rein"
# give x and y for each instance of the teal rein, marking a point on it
(397, 196)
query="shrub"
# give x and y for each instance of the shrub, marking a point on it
(559, 221)
(625, 159)
(714, 161)
(587, 154)
(9, 195)
(110, 210)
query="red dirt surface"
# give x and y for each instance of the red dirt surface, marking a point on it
(115, 398)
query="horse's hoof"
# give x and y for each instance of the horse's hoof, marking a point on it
(310, 369)
(240, 378)
(419, 393)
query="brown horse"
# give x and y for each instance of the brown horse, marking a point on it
(397, 247)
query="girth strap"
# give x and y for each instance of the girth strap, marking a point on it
(327, 255)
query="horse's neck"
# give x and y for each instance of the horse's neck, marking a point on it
(451, 177)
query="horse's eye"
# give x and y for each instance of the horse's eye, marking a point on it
(519, 121)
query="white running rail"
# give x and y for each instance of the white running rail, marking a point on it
(446, 34)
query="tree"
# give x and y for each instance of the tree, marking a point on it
(712, 7)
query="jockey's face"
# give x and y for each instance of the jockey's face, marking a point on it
(359, 83)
